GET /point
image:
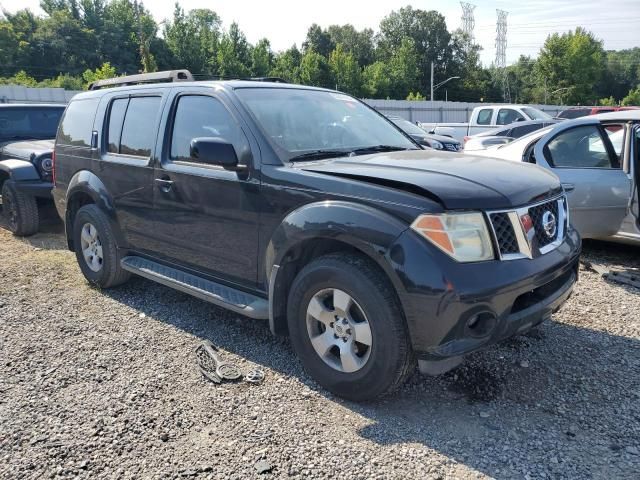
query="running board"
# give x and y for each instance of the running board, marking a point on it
(227, 297)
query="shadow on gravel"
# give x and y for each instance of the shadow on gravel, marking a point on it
(540, 401)
(559, 401)
(50, 235)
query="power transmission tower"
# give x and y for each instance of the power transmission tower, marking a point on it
(468, 22)
(501, 52)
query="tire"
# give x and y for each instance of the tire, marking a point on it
(374, 369)
(20, 210)
(101, 265)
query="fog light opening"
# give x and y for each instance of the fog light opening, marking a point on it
(481, 324)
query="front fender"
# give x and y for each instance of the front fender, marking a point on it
(19, 170)
(86, 184)
(361, 226)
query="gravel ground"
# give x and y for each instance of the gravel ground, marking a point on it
(103, 384)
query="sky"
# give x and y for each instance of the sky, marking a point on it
(285, 22)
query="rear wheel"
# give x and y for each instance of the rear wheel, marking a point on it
(347, 327)
(96, 249)
(20, 210)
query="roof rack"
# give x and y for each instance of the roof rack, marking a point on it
(155, 77)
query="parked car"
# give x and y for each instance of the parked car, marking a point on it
(597, 161)
(308, 208)
(577, 112)
(486, 118)
(502, 135)
(27, 133)
(437, 142)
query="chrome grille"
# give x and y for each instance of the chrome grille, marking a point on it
(537, 214)
(505, 234)
(520, 233)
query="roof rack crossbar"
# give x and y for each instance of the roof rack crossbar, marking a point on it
(155, 77)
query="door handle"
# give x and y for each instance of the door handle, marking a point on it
(568, 187)
(164, 185)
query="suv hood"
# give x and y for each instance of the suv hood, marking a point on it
(24, 148)
(457, 181)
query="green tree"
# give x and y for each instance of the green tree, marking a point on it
(632, 98)
(101, 73)
(194, 39)
(234, 59)
(20, 78)
(405, 71)
(314, 70)
(261, 58)
(608, 102)
(286, 65)
(571, 64)
(345, 71)
(377, 80)
(319, 41)
(360, 44)
(431, 39)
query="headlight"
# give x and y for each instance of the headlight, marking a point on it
(435, 144)
(463, 236)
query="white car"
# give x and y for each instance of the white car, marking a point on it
(597, 159)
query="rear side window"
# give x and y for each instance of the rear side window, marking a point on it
(484, 116)
(116, 118)
(139, 127)
(518, 132)
(200, 116)
(77, 124)
(574, 113)
(507, 116)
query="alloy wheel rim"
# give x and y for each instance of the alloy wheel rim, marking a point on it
(339, 330)
(91, 247)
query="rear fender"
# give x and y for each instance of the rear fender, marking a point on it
(85, 185)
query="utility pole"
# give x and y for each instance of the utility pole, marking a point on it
(431, 98)
(468, 22)
(501, 52)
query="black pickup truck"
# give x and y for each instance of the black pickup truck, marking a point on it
(307, 208)
(27, 133)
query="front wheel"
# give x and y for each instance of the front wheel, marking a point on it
(347, 327)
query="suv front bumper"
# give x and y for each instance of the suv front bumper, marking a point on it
(454, 308)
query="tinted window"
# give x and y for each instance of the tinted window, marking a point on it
(484, 116)
(29, 122)
(518, 132)
(139, 128)
(535, 114)
(200, 116)
(507, 116)
(574, 113)
(116, 117)
(580, 147)
(77, 123)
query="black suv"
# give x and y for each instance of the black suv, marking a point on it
(27, 133)
(307, 208)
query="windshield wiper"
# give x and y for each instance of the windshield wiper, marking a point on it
(378, 148)
(319, 154)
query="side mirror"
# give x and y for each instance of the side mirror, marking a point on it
(214, 151)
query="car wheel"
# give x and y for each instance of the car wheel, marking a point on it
(96, 249)
(347, 327)
(20, 210)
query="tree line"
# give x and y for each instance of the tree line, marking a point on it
(79, 41)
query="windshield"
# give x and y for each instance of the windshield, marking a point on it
(535, 114)
(408, 127)
(18, 123)
(299, 121)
